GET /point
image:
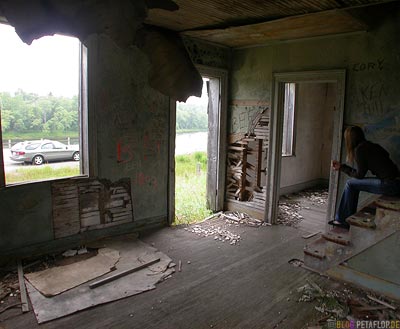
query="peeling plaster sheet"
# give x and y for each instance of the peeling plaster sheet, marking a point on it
(132, 253)
(55, 280)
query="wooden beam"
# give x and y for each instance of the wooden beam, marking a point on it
(122, 274)
(289, 28)
(22, 289)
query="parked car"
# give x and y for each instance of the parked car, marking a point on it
(40, 151)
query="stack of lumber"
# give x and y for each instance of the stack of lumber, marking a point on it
(237, 166)
(259, 197)
(242, 176)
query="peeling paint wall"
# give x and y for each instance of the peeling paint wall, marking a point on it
(372, 61)
(208, 54)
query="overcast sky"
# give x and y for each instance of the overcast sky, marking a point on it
(50, 64)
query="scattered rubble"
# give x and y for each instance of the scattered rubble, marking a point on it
(220, 230)
(291, 205)
(289, 213)
(345, 304)
(219, 233)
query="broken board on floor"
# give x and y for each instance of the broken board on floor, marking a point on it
(132, 253)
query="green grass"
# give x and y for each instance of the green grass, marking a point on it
(38, 135)
(40, 173)
(185, 131)
(190, 188)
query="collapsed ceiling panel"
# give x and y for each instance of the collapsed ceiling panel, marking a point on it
(304, 26)
(172, 73)
(35, 19)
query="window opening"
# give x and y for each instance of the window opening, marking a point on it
(288, 120)
(40, 107)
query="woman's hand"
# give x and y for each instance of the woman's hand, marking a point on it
(336, 165)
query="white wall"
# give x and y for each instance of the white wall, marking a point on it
(313, 137)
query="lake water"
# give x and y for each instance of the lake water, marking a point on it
(191, 142)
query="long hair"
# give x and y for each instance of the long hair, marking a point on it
(353, 136)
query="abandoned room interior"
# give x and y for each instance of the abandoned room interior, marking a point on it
(284, 79)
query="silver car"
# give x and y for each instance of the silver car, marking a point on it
(40, 151)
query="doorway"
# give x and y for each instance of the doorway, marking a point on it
(307, 138)
(212, 163)
(310, 82)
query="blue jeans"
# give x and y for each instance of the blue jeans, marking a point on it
(348, 203)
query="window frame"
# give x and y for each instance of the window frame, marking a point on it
(289, 144)
(83, 126)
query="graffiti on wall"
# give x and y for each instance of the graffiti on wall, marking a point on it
(375, 65)
(370, 97)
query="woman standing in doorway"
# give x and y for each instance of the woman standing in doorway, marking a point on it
(367, 156)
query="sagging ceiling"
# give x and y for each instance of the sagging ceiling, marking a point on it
(237, 23)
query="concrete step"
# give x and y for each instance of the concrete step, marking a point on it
(364, 280)
(338, 235)
(322, 254)
(316, 249)
(387, 202)
(371, 224)
(363, 218)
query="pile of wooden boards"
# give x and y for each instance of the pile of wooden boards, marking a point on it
(246, 157)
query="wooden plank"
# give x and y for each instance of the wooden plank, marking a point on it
(122, 274)
(22, 288)
(289, 28)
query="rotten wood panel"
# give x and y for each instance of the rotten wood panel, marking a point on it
(65, 209)
(304, 26)
(223, 13)
(87, 204)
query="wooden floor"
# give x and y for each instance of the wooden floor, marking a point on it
(313, 212)
(246, 286)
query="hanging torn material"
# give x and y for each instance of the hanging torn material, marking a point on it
(172, 71)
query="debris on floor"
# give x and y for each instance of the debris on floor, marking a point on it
(290, 205)
(55, 280)
(289, 213)
(219, 226)
(9, 290)
(345, 303)
(135, 267)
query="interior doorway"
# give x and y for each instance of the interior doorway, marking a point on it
(209, 163)
(307, 138)
(333, 82)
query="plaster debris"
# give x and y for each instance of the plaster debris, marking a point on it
(219, 227)
(69, 253)
(291, 205)
(219, 234)
(289, 213)
(345, 304)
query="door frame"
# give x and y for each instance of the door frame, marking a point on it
(222, 75)
(276, 131)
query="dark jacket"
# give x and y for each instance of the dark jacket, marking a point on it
(373, 157)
